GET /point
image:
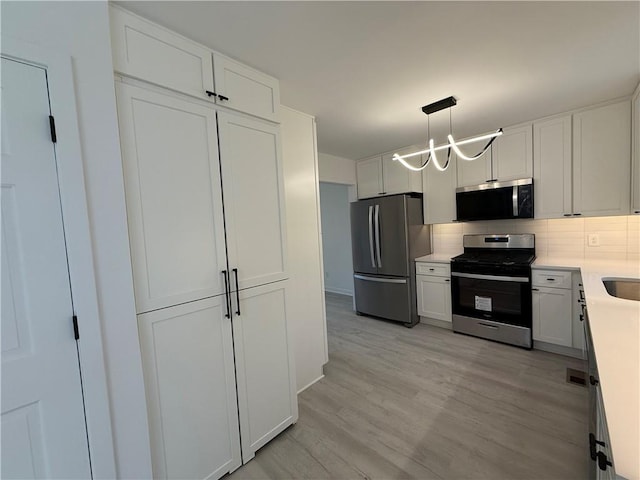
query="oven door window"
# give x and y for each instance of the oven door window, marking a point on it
(502, 301)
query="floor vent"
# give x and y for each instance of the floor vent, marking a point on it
(577, 377)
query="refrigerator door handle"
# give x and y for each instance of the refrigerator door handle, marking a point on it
(380, 279)
(377, 221)
(373, 260)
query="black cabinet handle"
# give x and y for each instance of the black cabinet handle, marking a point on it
(223, 98)
(567, 215)
(581, 317)
(210, 93)
(227, 297)
(491, 180)
(235, 271)
(577, 214)
(593, 381)
(535, 290)
(592, 446)
(603, 461)
(551, 279)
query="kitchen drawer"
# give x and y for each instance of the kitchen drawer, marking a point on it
(436, 269)
(551, 278)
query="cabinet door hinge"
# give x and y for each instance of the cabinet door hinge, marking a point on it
(76, 331)
(52, 127)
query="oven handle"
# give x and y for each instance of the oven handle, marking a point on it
(498, 278)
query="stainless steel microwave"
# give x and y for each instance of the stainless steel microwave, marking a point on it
(495, 201)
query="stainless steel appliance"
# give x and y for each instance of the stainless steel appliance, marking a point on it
(491, 288)
(495, 200)
(387, 234)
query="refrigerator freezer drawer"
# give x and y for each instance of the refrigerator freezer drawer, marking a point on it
(383, 297)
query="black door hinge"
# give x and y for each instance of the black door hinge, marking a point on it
(52, 127)
(76, 331)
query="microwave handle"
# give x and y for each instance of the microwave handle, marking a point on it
(514, 197)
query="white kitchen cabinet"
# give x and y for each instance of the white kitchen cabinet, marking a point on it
(552, 172)
(253, 187)
(510, 157)
(513, 153)
(433, 285)
(149, 52)
(190, 384)
(474, 172)
(369, 177)
(434, 297)
(173, 195)
(552, 315)
(635, 169)
(245, 89)
(439, 193)
(205, 205)
(602, 160)
(552, 307)
(381, 175)
(264, 365)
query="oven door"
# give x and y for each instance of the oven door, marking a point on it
(504, 299)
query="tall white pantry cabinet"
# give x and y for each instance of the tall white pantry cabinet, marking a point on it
(205, 207)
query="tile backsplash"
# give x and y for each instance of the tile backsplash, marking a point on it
(618, 237)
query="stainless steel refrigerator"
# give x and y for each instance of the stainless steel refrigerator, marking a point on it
(387, 235)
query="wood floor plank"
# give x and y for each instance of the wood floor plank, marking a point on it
(426, 403)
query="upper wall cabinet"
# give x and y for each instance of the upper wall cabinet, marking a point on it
(509, 158)
(513, 154)
(635, 205)
(439, 193)
(381, 175)
(149, 52)
(552, 167)
(245, 89)
(602, 160)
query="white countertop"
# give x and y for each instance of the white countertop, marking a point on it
(438, 257)
(615, 330)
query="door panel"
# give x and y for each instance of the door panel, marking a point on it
(363, 237)
(174, 200)
(43, 423)
(254, 199)
(392, 236)
(264, 366)
(191, 391)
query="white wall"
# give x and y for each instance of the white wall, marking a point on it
(305, 295)
(336, 238)
(562, 237)
(336, 169)
(81, 29)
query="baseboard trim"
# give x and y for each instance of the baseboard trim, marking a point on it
(557, 349)
(436, 323)
(311, 383)
(339, 291)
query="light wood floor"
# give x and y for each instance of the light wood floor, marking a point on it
(426, 403)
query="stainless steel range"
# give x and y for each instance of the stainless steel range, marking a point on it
(491, 288)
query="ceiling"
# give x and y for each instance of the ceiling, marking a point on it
(364, 69)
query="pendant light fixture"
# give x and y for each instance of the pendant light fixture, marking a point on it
(451, 145)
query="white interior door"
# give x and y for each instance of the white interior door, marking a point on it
(253, 187)
(43, 424)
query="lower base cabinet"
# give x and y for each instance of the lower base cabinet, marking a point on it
(433, 291)
(267, 398)
(217, 388)
(552, 313)
(189, 373)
